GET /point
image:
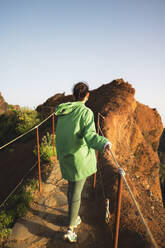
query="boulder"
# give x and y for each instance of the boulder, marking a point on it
(134, 130)
(3, 105)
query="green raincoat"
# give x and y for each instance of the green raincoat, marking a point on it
(77, 140)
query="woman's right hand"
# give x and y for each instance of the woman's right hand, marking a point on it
(108, 146)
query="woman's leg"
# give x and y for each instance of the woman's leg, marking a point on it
(74, 200)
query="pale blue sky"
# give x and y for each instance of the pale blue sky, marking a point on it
(47, 45)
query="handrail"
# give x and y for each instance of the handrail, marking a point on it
(12, 192)
(122, 173)
(38, 162)
(26, 132)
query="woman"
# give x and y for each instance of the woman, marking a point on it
(76, 142)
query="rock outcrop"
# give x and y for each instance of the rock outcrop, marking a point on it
(162, 142)
(161, 153)
(134, 130)
(3, 105)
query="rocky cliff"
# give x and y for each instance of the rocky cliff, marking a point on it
(134, 130)
(162, 142)
(3, 105)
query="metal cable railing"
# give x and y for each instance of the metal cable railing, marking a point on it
(10, 142)
(122, 176)
(38, 150)
(16, 187)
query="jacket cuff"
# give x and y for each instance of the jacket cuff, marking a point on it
(107, 143)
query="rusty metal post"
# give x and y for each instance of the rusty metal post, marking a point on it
(39, 169)
(94, 181)
(117, 221)
(53, 136)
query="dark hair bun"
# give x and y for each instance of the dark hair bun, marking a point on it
(80, 90)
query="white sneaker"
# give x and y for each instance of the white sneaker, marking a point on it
(78, 221)
(70, 236)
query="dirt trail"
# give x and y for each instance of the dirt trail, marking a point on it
(46, 221)
(134, 130)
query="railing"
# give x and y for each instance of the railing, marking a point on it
(38, 154)
(121, 178)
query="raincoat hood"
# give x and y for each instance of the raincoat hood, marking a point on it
(67, 108)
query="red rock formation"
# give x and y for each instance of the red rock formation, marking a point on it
(3, 105)
(134, 130)
(16, 107)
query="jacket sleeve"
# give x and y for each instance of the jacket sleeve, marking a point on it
(92, 139)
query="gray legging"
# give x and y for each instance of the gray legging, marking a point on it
(74, 199)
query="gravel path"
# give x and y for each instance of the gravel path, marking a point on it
(46, 221)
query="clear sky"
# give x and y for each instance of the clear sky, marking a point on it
(48, 45)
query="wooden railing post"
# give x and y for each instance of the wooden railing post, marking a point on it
(118, 210)
(53, 135)
(39, 165)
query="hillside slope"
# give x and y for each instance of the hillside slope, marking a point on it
(134, 130)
